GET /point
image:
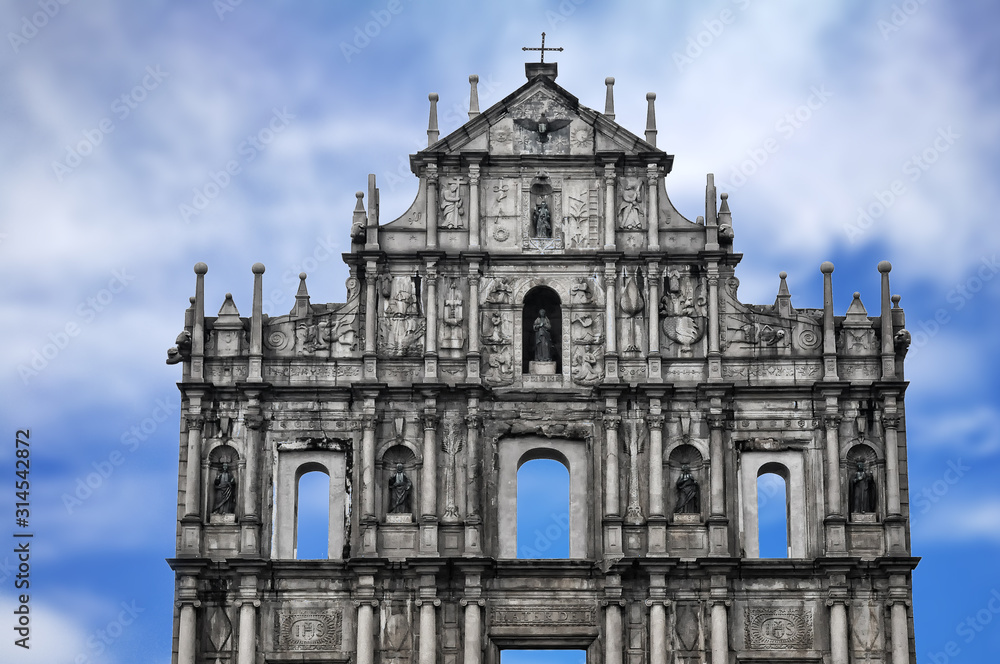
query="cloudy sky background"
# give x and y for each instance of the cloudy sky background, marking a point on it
(885, 82)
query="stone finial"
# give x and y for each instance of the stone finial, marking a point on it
(301, 306)
(473, 96)
(885, 313)
(255, 369)
(830, 371)
(432, 120)
(650, 118)
(609, 99)
(198, 329)
(711, 207)
(783, 285)
(229, 315)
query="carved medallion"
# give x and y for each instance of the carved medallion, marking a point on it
(308, 631)
(779, 629)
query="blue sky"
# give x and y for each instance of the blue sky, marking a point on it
(850, 131)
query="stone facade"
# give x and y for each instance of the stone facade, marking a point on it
(663, 394)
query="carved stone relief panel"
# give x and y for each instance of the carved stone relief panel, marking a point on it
(500, 206)
(683, 312)
(581, 224)
(502, 137)
(308, 630)
(497, 334)
(587, 336)
(779, 629)
(401, 324)
(581, 137)
(631, 211)
(453, 203)
(541, 125)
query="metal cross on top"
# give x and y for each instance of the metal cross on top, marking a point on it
(542, 49)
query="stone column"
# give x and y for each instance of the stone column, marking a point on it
(890, 422)
(371, 302)
(431, 176)
(192, 483)
(655, 421)
(472, 517)
(714, 355)
(839, 644)
(254, 422)
(653, 216)
(609, 207)
(247, 652)
(186, 633)
(430, 337)
(720, 632)
(653, 306)
(900, 633)
(613, 632)
(366, 639)
(610, 315)
(717, 468)
(428, 631)
(831, 423)
(611, 452)
(428, 472)
(473, 631)
(368, 465)
(473, 206)
(657, 631)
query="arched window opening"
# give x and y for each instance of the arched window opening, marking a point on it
(773, 518)
(541, 330)
(312, 516)
(543, 509)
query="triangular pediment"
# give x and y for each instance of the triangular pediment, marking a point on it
(540, 119)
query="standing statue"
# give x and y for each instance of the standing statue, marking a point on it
(400, 488)
(542, 219)
(543, 337)
(224, 500)
(452, 207)
(862, 491)
(688, 493)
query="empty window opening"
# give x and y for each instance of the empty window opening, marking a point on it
(312, 519)
(543, 657)
(772, 516)
(542, 510)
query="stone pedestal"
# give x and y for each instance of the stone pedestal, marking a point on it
(541, 368)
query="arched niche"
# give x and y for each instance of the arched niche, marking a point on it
(678, 494)
(386, 468)
(541, 199)
(788, 465)
(537, 299)
(515, 451)
(864, 454)
(223, 483)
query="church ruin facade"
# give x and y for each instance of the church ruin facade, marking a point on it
(542, 298)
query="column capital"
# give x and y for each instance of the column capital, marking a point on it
(713, 280)
(832, 420)
(366, 602)
(652, 173)
(431, 173)
(473, 602)
(897, 600)
(613, 602)
(195, 421)
(254, 421)
(890, 421)
(473, 421)
(435, 602)
(181, 603)
(657, 601)
(655, 421)
(249, 602)
(611, 421)
(430, 420)
(716, 420)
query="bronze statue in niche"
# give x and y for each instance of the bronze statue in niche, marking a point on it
(224, 498)
(543, 337)
(400, 490)
(863, 496)
(688, 493)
